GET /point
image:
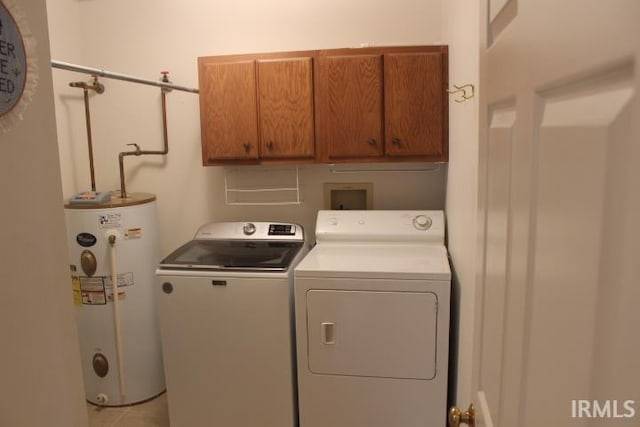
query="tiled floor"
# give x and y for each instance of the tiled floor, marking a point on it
(149, 414)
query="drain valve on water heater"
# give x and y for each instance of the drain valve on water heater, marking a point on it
(102, 399)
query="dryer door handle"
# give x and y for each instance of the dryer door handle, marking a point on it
(328, 333)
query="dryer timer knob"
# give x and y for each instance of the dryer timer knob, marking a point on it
(422, 222)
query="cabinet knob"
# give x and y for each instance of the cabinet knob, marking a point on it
(270, 145)
(396, 142)
(247, 147)
(372, 141)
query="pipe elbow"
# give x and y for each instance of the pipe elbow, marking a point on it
(136, 152)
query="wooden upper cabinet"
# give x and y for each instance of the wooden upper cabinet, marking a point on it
(256, 107)
(382, 104)
(349, 100)
(228, 111)
(285, 106)
(415, 102)
(362, 105)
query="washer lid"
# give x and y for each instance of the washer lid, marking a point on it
(241, 255)
(410, 261)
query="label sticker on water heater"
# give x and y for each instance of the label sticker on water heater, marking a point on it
(110, 220)
(133, 233)
(124, 279)
(92, 291)
(98, 290)
(77, 291)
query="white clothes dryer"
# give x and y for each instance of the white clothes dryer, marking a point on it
(372, 321)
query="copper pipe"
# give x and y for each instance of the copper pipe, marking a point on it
(98, 88)
(139, 152)
(92, 170)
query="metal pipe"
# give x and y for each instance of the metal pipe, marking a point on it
(99, 88)
(92, 170)
(139, 152)
(118, 76)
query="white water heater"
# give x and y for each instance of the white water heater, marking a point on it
(119, 337)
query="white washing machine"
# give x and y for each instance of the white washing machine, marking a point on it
(226, 320)
(372, 321)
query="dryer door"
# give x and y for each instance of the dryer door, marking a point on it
(372, 333)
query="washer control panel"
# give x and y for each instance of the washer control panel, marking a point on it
(282, 230)
(254, 230)
(249, 228)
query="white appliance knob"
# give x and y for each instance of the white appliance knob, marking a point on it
(422, 222)
(249, 228)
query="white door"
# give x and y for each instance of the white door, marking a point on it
(559, 214)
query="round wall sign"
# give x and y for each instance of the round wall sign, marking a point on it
(13, 62)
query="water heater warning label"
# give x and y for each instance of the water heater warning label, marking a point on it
(98, 290)
(133, 233)
(93, 291)
(110, 220)
(77, 291)
(124, 279)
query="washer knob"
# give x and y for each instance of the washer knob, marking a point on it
(249, 228)
(422, 222)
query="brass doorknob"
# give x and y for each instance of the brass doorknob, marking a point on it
(457, 417)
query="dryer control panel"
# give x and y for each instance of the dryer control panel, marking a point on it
(383, 226)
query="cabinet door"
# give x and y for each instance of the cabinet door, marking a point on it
(350, 106)
(228, 111)
(414, 104)
(285, 96)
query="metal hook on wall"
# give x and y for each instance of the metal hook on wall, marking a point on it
(466, 92)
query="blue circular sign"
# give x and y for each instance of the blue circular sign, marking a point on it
(13, 62)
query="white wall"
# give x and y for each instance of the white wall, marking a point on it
(461, 32)
(142, 38)
(39, 361)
